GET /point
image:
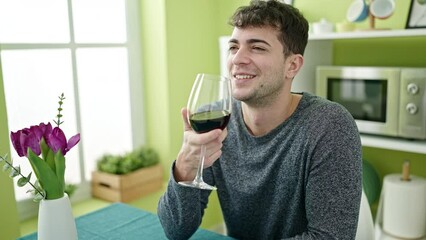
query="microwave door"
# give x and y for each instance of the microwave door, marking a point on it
(370, 95)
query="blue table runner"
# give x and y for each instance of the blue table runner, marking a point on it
(121, 221)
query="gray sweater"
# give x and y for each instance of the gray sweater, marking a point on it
(302, 180)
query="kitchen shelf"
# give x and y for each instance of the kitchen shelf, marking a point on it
(397, 144)
(369, 34)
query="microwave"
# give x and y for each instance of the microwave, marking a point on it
(388, 101)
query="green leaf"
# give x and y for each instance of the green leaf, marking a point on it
(15, 172)
(29, 176)
(70, 189)
(60, 168)
(37, 184)
(38, 197)
(49, 157)
(32, 191)
(6, 167)
(44, 148)
(47, 178)
(3, 158)
(22, 181)
(51, 160)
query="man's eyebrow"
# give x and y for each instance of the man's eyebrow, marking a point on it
(250, 41)
(233, 40)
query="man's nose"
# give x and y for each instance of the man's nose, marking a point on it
(240, 57)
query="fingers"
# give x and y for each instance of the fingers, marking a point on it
(223, 135)
(187, 126)
(214, 149)
(210, 159)
(194, 138)
(204, 137)
(213, 153)
(190, 153)
(215, 144)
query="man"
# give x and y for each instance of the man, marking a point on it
(288, 166)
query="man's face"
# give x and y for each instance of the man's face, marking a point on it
(256, 64)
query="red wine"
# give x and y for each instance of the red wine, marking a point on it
(206, 121)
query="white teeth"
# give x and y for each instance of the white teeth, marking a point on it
(243, 76)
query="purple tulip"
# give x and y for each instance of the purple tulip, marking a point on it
(56, 141)
(28, 138)
(31, 138)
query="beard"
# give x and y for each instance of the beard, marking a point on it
(263, 93)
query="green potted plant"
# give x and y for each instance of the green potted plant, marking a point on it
(124, 178)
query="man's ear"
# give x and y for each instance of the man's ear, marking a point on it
(293, 64)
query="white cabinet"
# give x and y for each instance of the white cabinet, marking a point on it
(319, 51)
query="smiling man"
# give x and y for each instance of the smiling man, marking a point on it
(288, 166)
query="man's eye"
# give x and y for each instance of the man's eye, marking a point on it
(232, 49)
(259, 48)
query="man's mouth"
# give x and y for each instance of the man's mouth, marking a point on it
(243, 76)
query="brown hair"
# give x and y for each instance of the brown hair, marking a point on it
(285, 18)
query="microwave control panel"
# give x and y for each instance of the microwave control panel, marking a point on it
(412, 113)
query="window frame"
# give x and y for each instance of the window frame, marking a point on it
(27, 208)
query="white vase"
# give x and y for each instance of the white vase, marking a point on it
(55, 220)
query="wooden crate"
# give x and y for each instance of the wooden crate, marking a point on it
(128, 187)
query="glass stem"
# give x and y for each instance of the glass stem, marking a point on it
(199, 177)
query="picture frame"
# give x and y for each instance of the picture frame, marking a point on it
(416, 14)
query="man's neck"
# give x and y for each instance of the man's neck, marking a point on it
(262, 120)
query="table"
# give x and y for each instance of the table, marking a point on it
(121, 221)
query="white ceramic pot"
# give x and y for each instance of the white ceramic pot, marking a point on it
(55, 220)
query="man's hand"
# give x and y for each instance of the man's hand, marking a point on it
(190, 153)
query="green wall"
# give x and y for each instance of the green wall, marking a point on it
(155, 75)
(9, 226)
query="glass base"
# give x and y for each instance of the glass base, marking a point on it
(199, 185)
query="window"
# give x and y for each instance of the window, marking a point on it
(84, 49)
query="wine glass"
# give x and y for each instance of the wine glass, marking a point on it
(209, 107)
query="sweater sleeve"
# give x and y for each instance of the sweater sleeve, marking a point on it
(334, 183)
(181, 209)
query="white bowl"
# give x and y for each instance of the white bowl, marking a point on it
(357, 11)
(382, 9)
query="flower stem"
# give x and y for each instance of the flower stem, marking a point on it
(59, 115)
(19, 172)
